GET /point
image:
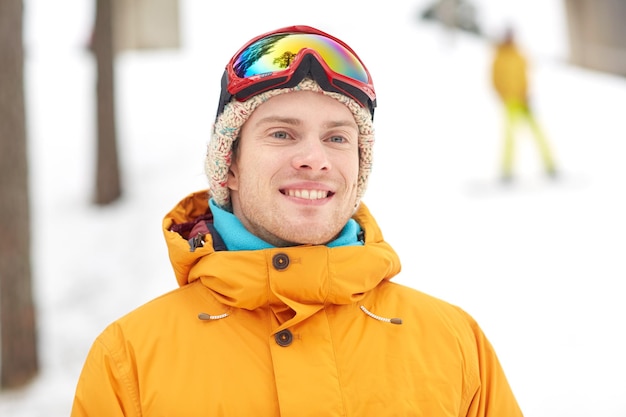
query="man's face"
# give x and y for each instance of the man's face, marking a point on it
(294, 178)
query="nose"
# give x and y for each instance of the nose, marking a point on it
(311, 154)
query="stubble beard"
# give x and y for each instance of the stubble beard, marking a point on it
(274, 227)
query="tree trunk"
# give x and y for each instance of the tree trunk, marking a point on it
(108, 187)
(18, 360)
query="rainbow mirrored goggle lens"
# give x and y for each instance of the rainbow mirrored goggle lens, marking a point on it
(276, 53)
(282, 59)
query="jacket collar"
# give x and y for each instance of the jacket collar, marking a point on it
(316, 275)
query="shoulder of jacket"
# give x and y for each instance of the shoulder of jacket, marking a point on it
(412, 302)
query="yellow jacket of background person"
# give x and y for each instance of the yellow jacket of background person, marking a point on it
(509, 74)
(296, 331)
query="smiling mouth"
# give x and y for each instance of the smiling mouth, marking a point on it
(308, 194)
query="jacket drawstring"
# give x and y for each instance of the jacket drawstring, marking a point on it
(393, 320)
(206, 316)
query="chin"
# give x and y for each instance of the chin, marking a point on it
(306, 238)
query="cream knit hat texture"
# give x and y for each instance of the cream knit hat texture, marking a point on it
(228, 125)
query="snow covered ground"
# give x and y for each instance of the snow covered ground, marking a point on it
(540, 264)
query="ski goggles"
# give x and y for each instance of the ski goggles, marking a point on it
(282, 58)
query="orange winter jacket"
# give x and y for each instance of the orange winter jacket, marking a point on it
(297, 331)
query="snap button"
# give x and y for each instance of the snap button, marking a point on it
(283, 338)
(280, 261)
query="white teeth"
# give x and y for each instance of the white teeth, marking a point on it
(308, 194)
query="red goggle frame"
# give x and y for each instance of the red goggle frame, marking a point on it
(282, 58)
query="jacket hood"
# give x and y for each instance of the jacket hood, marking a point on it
(315, 276)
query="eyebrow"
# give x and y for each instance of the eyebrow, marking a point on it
(341, 123)
(274, 119)
(296, 122)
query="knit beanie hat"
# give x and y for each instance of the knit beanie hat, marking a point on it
(228, 125)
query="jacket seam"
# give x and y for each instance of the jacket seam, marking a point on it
(124, 376)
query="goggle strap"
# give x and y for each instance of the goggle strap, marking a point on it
(225, 96)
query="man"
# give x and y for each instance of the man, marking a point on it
(286, 305)
(510, 81)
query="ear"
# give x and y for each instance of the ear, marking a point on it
(233, 176)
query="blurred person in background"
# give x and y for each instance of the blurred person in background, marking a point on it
(286, 304)
(510, 81)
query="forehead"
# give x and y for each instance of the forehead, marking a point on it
(306, 105)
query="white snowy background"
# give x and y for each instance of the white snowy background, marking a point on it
(540, 264)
